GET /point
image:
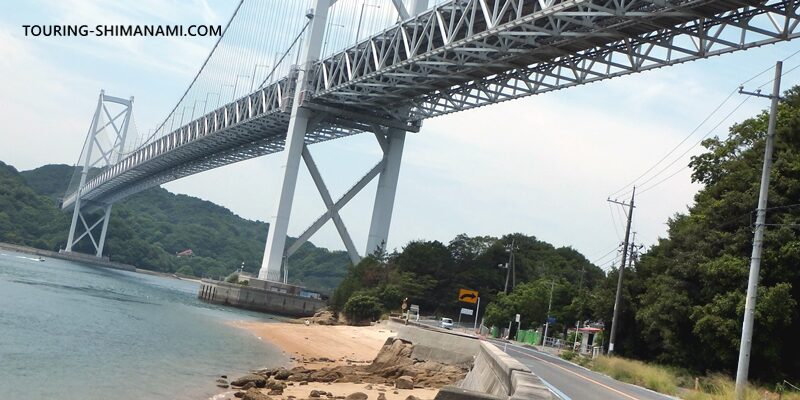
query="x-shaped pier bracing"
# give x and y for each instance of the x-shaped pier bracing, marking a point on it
(119, 125)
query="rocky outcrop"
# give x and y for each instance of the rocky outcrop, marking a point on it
(257, 380)
(321, 317)
(404, 382)
(394, 366)
(255, 394)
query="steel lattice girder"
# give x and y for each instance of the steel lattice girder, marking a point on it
(459, 55)
(465, 54)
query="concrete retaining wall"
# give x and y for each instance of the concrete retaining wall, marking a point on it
(496, 373)
(437, 345)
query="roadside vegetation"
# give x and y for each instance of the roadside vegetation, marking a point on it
(430, 274)
(676, 382)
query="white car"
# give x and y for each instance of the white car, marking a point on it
(446, 323)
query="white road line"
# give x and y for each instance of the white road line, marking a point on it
(555, 390)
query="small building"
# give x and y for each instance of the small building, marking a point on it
(185, 253)
(261, 295)
(587, 339)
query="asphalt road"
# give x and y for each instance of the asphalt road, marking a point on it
(572, 382)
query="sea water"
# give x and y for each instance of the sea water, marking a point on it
(73, 331)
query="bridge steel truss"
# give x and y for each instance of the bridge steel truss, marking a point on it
(119, 123)
(470, 53)
(456, 56)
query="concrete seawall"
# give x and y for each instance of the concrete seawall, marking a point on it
(258, 299)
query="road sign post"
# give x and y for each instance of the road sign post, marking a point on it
(466, 311)
(477, 309)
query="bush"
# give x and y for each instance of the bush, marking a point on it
(362, 308)
(568, 355)
(232, 278)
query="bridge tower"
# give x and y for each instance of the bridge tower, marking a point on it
(304, 119)
(96, 158)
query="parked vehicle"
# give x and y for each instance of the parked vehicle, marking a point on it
(446, 323)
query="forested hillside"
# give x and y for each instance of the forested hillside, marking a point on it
(430, 274)
(25, 216)
(149, 228)
(684, 302)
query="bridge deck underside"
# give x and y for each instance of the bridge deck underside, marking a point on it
(456, 56)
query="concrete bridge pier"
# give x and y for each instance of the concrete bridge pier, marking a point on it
(272, 263)
(303, 120)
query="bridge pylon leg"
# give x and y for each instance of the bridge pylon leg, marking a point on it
(385, 194)
(274, 250)
(103, 231)
(90, 162)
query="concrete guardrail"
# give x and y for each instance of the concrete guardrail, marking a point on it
(496, 375)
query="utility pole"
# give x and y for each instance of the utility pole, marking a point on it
(614, 321)
(580, 312)
(758, 237)
(633, 251)
(549, 305)
(509, 266)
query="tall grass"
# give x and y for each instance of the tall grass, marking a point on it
(721, 387)
(669, 381)
(653, 377)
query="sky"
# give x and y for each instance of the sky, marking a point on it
(543, 165)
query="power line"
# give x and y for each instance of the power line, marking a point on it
(678, 145)
(605, 255)
(614, 221)
(620, 192)
(688, 150)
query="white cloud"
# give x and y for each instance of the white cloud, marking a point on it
(541, 166)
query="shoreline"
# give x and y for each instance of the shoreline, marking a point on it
(83, 258)
(311, 349)
(320, 349)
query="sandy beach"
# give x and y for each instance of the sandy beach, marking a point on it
(306, 345)
(318, 346)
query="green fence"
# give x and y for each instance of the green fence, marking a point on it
(530, 337)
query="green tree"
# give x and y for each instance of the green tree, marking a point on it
(362, 308)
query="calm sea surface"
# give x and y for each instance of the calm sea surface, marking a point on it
(70, 331)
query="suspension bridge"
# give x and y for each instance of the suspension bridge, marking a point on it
(319, 70)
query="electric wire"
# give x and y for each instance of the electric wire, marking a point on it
(647, 188)
(622, 191)
(614, 221)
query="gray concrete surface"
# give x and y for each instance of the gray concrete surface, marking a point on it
(497, 373)
(454, 393)
(572, 382)
(437, 345)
